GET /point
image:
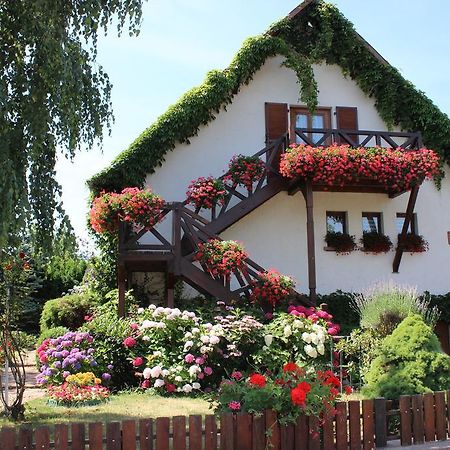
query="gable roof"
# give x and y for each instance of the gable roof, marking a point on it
(317, 31)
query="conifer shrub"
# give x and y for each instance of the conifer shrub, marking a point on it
(410, 361)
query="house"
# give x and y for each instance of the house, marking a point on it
(348, 94)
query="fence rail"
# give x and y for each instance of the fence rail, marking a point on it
(355, 425)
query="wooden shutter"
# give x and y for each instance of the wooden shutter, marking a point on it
(276, 120)
(347, 119)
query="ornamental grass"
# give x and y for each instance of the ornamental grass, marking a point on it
(338, 165)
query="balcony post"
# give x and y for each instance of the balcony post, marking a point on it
(121, 282)
(308, 194)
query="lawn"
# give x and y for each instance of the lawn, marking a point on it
(120, 407)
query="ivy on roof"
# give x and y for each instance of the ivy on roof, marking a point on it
(319, 33)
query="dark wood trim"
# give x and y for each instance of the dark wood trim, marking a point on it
(170, 289)
(294, 109)
(344, 215)
(414, 227)
(121, 284)
(408, 217)
(378, 215)
(309, 199)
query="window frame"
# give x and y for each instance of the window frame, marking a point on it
(294, 110)
(367, 214)
(343, 215)
(413, 224)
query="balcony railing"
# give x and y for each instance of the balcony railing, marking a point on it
(317, 137)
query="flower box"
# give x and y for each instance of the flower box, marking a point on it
(206, 192)
(341, 243)
(413, 243)
(373, 242)
(245, 170)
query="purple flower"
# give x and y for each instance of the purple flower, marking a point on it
(57, 364)
(66, 374)
(93, 363)
(110, 367)
(106, 376)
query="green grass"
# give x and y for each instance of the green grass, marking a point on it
(122, 406)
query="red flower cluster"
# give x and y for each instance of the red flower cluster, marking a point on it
(222, 257)
(257, 379)
(133, 205)
(272, 287)
(245, 170)
(299, 393)
(206, 192)
(396, 169)
(70, 394)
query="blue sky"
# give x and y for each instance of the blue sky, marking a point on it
(181, 40)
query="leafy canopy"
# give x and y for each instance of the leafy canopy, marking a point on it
(53, 96)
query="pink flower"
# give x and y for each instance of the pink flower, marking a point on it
(234, 406)
(189, 358)
(236, 375)
(138, 361)
(145, 384)
(199, 360)
(268, 315)
(208, 370)
(129, 342)
(200, 376)
(134, 326)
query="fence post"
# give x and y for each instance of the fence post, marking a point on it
(380, 422)
(405, 420)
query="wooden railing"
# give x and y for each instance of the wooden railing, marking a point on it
(360, 138)
(357, 424)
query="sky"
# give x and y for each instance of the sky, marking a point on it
(181, 40)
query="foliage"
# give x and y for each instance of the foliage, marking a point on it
(338, 165)
(338, 304)
(53, 95)
(67, 355)
(139, 207)
(222, 258)
(294, 392)
(342, 243)
(301, 336)
(413, 243)
(385, 305)
(410, 362)
(271, 289)
(206, 192)
(69, 311)
(245, 170)
(375, 242)
(442, 303)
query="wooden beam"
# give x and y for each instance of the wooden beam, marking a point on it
(170, 289)
(406, 223)
(308, 194)
(121, 284)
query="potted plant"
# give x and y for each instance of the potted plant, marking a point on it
(245, 170)
(342, 243)
(271, 288)
(206, 192)
(375, 242)
(413, 243)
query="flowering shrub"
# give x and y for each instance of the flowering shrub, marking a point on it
(222, 257)
(413, 243)
(272, 288)
(376, 242)
(395, 169)
(68, 354)
(340, 242)
(83, 379)
(206, 192)
(302, 335)
(294, 392)
(245, 170)
(140, 207)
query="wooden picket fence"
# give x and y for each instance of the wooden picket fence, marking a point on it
(356, 425)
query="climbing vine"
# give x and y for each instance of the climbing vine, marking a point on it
(319, 34)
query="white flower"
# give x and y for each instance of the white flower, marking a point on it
(310, 351)
(157, 353)
(195, 330)
(194, 370)
(306, 337)
(298, 324)
(208, 326)
(188, 335)
(268, 338)
(196, 385)
(160, 325)
(158, 383)
(204, 339)
(187, 388)
(145, 338)
(178, 378)
(188, 345)
(165, 372)
(151, 307)
(314, 338)
(148, 324)
(287, 330)
(321, 349)
(147, 373)
(213, 340)
(156, 371)
(204, 349)
(140, 310)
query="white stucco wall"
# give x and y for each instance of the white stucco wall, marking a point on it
(275, 233)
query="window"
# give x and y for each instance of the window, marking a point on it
(400, 219)
(371, 223)
(337, 222)
(302, 118)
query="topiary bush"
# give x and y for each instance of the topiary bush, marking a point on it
(68, 311)
(410, 362)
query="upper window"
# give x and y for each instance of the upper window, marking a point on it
(302, 118)
(337, 222)
(371, 222)
(400, 219)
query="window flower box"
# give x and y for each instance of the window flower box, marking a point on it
(341, 243)
(413, 243)
(374, 242)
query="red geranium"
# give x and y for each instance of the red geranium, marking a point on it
(129, 342)
(272, 288)
(290, 367)
(206, 192)
(245, 170)
(257, 379)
